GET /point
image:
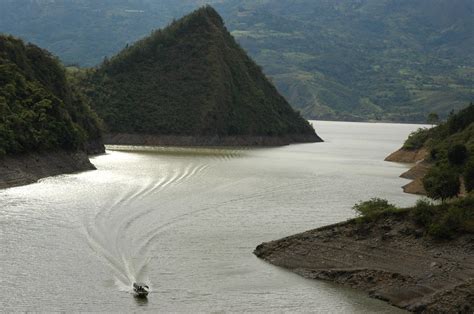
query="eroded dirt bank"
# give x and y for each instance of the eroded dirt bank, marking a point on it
(417, 172)
(171, 140)
(389, 259)
(408, 156)
(29, 168)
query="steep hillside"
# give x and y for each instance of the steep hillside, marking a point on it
(393, 60)
(192, 79)
(40, 113)
(40, 110)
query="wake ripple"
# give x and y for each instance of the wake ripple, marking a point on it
(109, 230)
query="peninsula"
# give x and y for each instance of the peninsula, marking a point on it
(420, 259)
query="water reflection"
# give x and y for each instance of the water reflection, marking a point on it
(217, 152)
(140, 301)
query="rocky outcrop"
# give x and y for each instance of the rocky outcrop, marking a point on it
(417, 172)
(172, 140)
(29, 168)
(389, 259)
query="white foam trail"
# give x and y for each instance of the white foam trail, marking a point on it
(129, 222)
(109, 259)
(108, 230)
(123, 286)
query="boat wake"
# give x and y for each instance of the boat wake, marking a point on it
(114, 231)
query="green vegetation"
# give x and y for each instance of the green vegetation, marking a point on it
(441, 221)
(417, 139)
(456, 130)
(468, 176)
(190, 78)
(457, 155)
(433, 118)
(445, 220)
(39, 110)
(441, 183)
(451, 147)
(345, 60)
(369, 210)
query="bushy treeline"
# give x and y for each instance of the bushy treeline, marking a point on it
(451, 154)
(442, 221)
(190, 78)
(444, 133)
(39, 110)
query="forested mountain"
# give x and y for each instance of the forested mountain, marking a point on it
(333, 59)
(39, 110)
(191, 79)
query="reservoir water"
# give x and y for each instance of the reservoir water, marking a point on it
(186, 220)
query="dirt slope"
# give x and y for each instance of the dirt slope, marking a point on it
(389, 259)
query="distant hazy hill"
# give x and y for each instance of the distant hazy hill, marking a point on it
(364, 59)
(39, 111)
(333, 59)
(192, 79)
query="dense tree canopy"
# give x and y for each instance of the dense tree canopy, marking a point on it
(38, 108)
(191, 78)
(442, 183)
(451, 146)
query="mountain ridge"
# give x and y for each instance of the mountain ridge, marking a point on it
(381, 60)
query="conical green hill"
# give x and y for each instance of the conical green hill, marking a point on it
(192, 79)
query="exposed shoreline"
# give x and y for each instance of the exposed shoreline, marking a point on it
(29, 168)
(189, 141)
(389, 259)
(417, 171)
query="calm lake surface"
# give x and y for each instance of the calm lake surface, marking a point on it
(187, 220)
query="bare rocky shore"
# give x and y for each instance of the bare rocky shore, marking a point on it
(29, 168)
(408, 156)
(417, 172)
(172, 140)
(388, 258)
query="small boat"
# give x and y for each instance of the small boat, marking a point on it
(140, 290)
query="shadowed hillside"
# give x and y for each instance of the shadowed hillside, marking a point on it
(191, 79)
(40, 111)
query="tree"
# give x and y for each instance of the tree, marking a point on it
(441, 183)
(433, 118)
(469, 176)
(373, 207)
(457, 155)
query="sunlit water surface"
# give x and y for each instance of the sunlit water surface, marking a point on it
(186, 222)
